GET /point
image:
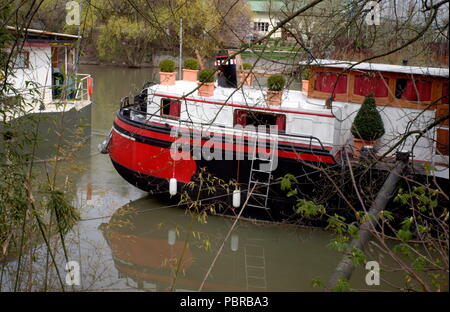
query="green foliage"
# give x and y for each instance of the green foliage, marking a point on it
(316, 282)
(167, 66)
(424, 198)
(191, 63)
(357, 256)
(66, 214)
(276, 82)
(286, 181)
(206, 76)
(342, 285)
(126, 40)
(247, 66)
(368, 124)
(308, 208)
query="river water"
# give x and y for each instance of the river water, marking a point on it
(128, 240)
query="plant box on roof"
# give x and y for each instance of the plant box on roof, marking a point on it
(206, 82)
(167, 74)
(275, 84)
(190, 69)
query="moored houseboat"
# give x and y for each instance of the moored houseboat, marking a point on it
(171, 131)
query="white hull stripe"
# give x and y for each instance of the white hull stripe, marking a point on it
(124, 135)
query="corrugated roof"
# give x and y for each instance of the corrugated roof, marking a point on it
(414, 70)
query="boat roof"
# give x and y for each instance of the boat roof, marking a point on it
(43, 33)
(413, 70)
(247, 96)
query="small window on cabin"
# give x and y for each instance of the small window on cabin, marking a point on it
(22, 60)
(245, 118)
(364, 85)
(413, 90)
(445, 93)
(170, 108)
(329, 82)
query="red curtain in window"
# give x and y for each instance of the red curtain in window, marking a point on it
(445, 93)
(175, 109)
(240, 118)
(365, 85)
(417, 90)
(281, 123)
(325, 82)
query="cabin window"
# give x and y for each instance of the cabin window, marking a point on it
(170, 108)
(329, 82)
(22, 60)
(445, 93)
(245, 118)
(261, 26)
(442, 141)
(413, 90)
(364, 85)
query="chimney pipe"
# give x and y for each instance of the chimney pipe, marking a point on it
(227, 72)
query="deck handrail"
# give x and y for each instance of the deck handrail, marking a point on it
(82, 88)
(132, 108)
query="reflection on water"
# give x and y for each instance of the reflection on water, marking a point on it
(128, 241)
(147, 243)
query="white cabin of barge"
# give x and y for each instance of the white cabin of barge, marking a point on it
(306, 112)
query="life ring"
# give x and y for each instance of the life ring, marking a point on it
(90, 85)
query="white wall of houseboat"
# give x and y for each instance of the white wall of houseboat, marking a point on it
(397, 122)
(217, 115)
(39, 71)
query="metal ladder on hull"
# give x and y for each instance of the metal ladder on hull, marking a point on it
(261, 198)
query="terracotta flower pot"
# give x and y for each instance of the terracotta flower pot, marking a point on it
(167, 79)
(207, 89)
(358, 145)
(248, 80)
(305, 86)
(274, 97)
(190, 75)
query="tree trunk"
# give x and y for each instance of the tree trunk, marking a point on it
(345, 267)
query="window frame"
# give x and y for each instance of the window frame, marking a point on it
(26, 60)
(414, 81)
(161, 108)
(261, 26)
(236, 111)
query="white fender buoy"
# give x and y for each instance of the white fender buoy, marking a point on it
(173, 186)
(172, 237)
(234, 242)
(236, 198)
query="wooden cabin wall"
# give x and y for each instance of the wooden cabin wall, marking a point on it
(439, 86)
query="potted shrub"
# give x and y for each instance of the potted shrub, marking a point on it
(206, 80)
(167, 74)
(190, 69)
(245, 76)
(305, 81)
(275, 83)
(367, 126)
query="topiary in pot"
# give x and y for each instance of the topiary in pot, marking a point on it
(275, 83)
(190, 69)
(191, 63)
(206, 80)
(167, 74)
(367, 126)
